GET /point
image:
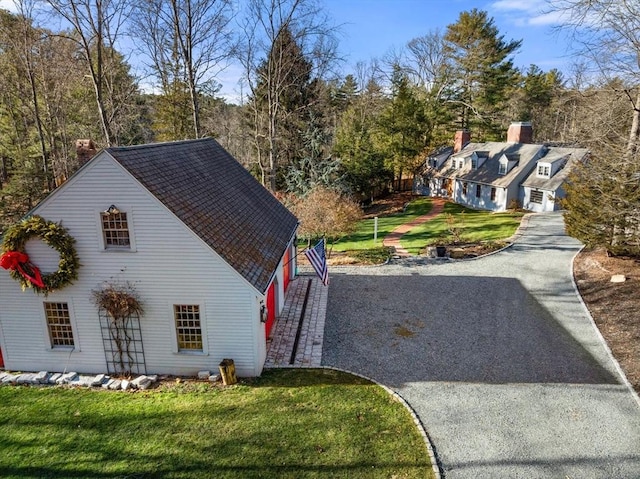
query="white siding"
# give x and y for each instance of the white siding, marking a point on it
(170, 265)
(549, 202)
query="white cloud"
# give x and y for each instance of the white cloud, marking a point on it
(8, 5)
(551, 18)
(527, 13)
(518, 5)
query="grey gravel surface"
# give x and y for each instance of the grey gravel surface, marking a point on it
(497, 356)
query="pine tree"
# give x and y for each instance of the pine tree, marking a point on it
(402, 132)
(482, 71)
(603, 204)
(283, 92)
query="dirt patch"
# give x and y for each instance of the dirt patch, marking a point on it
(615, 307)
(468, 251)
(389, 205)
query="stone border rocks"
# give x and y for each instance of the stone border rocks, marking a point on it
(73, 379)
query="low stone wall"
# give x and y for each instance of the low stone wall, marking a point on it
(44, 378)
(104, 381)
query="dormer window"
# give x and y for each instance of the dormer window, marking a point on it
(115, 229)
(478, 158)
(544, 170)
(502, 168)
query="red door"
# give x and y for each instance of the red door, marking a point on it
(1, 360)
(287, 267)
(271, 308)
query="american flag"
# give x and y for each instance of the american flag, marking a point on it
(318, 260)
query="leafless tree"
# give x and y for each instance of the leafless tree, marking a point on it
(607, 34)
(425, 62)
(267, 64)
(26, 46)
(186, 41)
(96, 26)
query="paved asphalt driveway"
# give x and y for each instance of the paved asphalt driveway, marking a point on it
(498, 358)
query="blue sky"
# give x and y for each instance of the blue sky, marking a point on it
(371, 28)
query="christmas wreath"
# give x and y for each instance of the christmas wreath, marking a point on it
(15, 259)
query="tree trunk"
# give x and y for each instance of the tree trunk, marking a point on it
(634, 133)
(36, 113)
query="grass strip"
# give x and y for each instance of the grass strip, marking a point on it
(475, 226)
(362, 239)
(286, 424)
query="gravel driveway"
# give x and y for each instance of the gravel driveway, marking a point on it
(497, 356)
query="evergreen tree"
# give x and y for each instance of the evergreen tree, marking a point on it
(363, 163)
(603, 204)
(483, 74)
(314, 168)
(403, 128)
(284, 90)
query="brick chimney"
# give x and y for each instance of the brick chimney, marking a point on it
(520, 132)
(85, 150)
(461, 138)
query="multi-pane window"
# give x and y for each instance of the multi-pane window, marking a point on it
(478, 191)
(188, 328)
(493, 194)
(474, 163)
(502, 169)
(536, 196)
(464, 188)
(59, 324)
(115, 230)
(543, 170)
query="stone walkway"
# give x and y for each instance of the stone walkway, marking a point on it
(280, 347)
(393, 238)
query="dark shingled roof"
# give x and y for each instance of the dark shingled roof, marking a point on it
(218, 199)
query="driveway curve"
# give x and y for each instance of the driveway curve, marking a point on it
(498, 357)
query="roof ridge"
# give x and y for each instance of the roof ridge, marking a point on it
(157, 144)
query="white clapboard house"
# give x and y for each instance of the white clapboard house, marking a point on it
(208, 250)
(498, 175)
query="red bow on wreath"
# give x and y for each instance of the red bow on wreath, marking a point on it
(17, 260)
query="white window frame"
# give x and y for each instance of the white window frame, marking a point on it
(474, 162)
(174, 330)
(544, 170)
(502, 168)
(130, 226)
(49, 346)
(478, 191)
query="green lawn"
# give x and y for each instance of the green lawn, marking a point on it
(476, 226)
(363, 237)
(288, 423)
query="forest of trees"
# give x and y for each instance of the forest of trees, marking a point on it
(123, 73)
